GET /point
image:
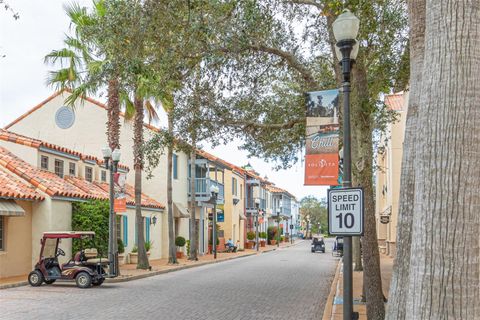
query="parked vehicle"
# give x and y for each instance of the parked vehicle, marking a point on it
(337, 249)
(318, 245)
(85, 268)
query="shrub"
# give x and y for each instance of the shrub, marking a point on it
(272, 233)
(263, 235)
(210, 241)
(180, 241)
(148, 245)
(134, 249)
(91, 216)
(188, 246)
(251, 235)
(121, 246)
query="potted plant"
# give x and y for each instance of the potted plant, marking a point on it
(210, 244)
(121, 251)
(251, 240)
(272, 235)
(180, 243)
(133, 255)
(148, 246)
(263, 238)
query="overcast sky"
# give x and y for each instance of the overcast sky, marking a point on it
(40, 29)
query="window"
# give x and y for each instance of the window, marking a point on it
(118, 227)
(175, 166)
(234, 186)
(104, 176)
(44, 162)
(59, 168)
(71, 169)
(88, 174)
(2, 237)
(241, 191)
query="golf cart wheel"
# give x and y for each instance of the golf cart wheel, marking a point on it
(35, 278)
(50, 281)
(83, 280)
(98, 282)
(313, 251)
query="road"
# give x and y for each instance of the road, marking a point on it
(290, 283)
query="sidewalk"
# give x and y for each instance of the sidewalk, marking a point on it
(334, 307)
(130, 272)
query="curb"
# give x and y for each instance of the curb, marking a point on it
(327, 312)
(13, 285)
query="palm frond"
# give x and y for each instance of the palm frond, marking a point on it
(151, 111)
(127, 104)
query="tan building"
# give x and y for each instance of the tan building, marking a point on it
(39, 181)
(387, 183)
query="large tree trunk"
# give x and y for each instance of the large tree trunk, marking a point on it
(113, 115)
(362, 128)
(172, 257)
(444, 277)
(138, 166)
(398, 288)
(193, 223)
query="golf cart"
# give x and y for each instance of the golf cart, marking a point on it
(318, 245)
(85, 268)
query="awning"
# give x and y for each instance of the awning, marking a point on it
(179, 211)
(11, 208)
(242, 216)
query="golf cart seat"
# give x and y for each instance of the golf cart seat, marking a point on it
(90, 253)
(97, 260)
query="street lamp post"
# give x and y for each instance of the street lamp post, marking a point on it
(214, 191)
(257, 212)
(279, 209)
(111, 164)
(345, 30)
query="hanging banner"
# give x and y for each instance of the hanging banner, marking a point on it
(322, 133)
(120, 198)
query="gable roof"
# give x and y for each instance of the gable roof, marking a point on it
(53, 185)
(37, 144)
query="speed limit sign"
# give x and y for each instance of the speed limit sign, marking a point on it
(345, 212)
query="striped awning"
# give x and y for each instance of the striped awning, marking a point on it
(10, 208)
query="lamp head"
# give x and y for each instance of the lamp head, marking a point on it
(257, 201)
(116, 155)
(214, 189)
(346, 26)
(107, 152)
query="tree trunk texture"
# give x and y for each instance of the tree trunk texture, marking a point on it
(138, 166)
(398, 288)
(362, 167)
(444, 276)
(113, 115)
(172, 249)
(356, 254)
(193, 222)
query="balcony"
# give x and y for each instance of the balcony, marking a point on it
(202, 190)
(251, 206)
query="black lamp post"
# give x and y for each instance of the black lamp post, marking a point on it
(214, 191)
(345, 30)
(279, 209)
(111, 164)
(257, 212)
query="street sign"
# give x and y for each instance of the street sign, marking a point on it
(291, 226)
(220, 216)
(345, 212)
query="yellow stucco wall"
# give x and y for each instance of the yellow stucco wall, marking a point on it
(16, 257)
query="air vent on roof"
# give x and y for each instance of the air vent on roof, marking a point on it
(64, 117)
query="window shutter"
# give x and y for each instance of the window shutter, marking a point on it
(147, 229)
(175, 166)
(125, 230)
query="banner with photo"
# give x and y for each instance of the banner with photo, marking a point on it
(322, 132)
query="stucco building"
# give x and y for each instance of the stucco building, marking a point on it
(387, 180)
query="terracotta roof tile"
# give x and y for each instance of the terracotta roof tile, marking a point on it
(53, 185)
(130, 193)
(395, 101)
(14, 188)
(35, 143)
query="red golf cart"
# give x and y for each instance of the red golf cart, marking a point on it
(85, 268)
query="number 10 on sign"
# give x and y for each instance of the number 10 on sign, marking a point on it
(345, 212)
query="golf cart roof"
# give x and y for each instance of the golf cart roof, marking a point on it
(67, 234)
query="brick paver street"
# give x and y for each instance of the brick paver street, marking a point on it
(290, 283)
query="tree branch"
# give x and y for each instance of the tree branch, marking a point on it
(308, 2)
(258, 125)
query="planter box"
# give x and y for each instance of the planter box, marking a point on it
(133, 257)
(273, 242)
(249, 245)
(262, 243)
(121, 259)
(179, 254)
